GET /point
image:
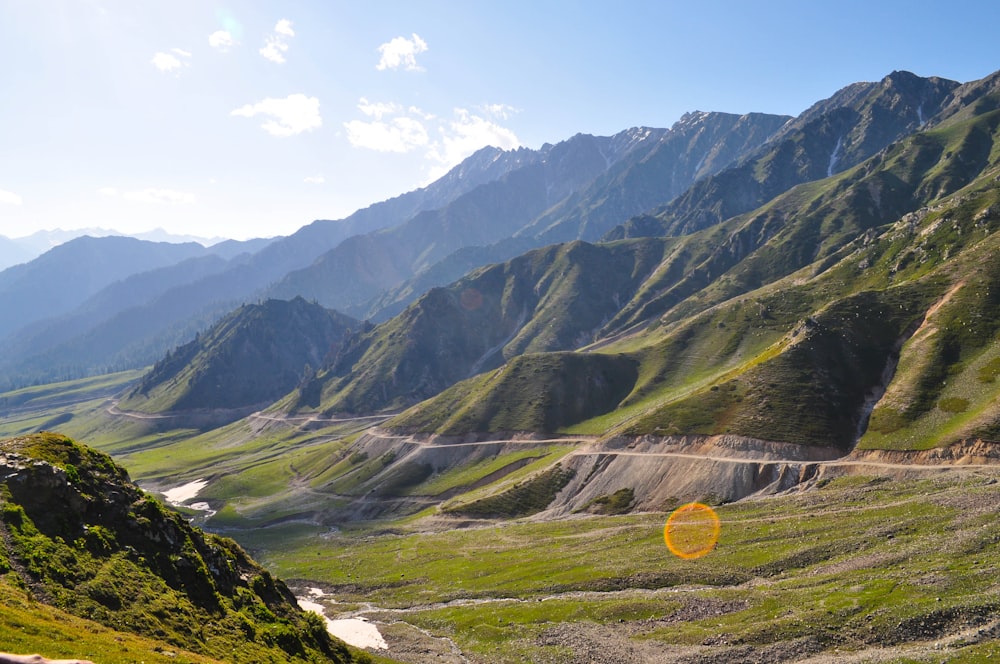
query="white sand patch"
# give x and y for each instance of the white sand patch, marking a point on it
(184, 493)
(204, 507)
(357, 632)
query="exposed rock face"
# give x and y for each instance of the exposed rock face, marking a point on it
(82, 537)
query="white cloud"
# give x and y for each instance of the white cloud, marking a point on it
(444, 143)
(274, 49)
(401, 52)
(221, 40)
(462, 136)
(499, 111)
(468, 133)
(400, 134)
(170, 62)
(289, 116)
(275, 45)
(376, 109)
(315, 179)
(10, 198)
(159, 196)
(149, 195)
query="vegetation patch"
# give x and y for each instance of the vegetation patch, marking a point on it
(523, 499)
(618, 502)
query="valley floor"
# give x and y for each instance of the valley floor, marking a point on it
(878, 557)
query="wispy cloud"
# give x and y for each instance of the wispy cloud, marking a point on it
(376, 109)
(315, 179)
(149, 195)
(276, 44)
(221, 40)
(401, 52)
(401, 134)
(465, 134)
(499, 111)
(10, 198)
(287, 117)
(443, 142)
(171, 62)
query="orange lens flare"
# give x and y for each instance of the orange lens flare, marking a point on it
(692, 531)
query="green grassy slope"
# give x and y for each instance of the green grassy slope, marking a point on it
(860, 567)
(77, 535)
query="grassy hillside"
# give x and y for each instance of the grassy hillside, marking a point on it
(253, 356)
(78, 536)
(859, 569)
(548, 299)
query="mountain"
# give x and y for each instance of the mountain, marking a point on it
(696, 146)
(129, 337)
(754, 314)
(93, 337)
(831, 136)
(247, 360)
(362, 266)
(66, 275)
(79, 536)
(578, 188)
(867, 293)
(14, 251)
(548, 299)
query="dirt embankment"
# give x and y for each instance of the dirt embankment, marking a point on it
(659, 472)
(976, 452)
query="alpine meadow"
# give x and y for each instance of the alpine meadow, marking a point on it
(456, 422)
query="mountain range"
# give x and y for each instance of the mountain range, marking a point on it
(718, 233)
(17, 250)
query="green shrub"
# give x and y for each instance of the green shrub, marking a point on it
(953, 405)
(989, 372)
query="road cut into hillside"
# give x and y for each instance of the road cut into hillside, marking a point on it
(660, 472)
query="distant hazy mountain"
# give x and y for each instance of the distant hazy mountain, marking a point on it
(79, 291)
(65, 276)
(14, 251)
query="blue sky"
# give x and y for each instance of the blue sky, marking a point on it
(252, 118)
